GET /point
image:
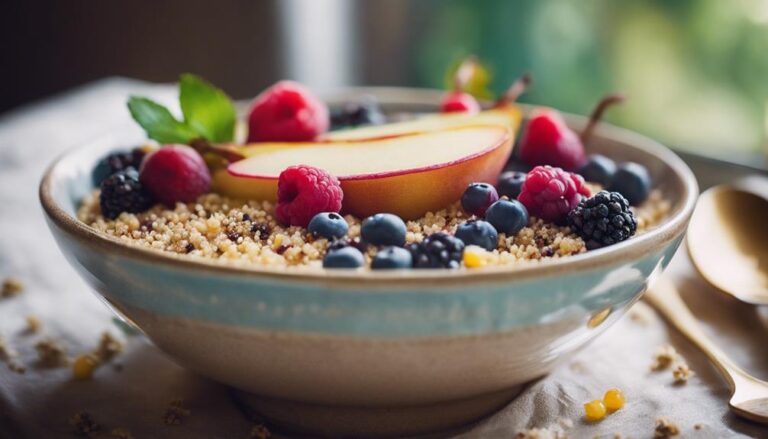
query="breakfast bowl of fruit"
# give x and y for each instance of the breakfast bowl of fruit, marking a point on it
(373, 261)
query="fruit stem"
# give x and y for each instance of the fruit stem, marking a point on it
(597, 114)
(227, 152)
(464, 73)
(518, 87)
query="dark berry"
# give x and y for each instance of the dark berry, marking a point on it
(303, 192)
(480, 233)
(328, 225)
(438, 250)
(123, 192)
(477, 197)
(391, 258)
(598, 169)
(510, 183)
(116, 162)
(345, 257)
(633, 181)
(507, 216)
(602, 220)
(175, 173)
(262, 229)
(518, 166)
(353, 114)
(550, 193)
(337, 244)
(383, 229)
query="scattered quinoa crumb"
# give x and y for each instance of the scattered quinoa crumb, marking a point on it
(663, 358)
(681, 373)
(175, 413)
(555, 431)
(108, 347)
(8, 356)
(6, 353)
(259, 431)
(11, 287)
(50, 353)
(246, 232)
(641, 314)
(33, 325)
(121, 433)
(15, 366)
(83, 424)
(665, 429)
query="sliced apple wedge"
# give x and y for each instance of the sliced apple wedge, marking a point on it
(408, 175)
(508, 115)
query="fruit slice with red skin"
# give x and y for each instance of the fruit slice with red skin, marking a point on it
(508, 115)
(407, 175)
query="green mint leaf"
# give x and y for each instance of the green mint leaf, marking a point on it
(207, 109)
(158, 122)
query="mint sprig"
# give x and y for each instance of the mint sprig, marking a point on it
(208, 114)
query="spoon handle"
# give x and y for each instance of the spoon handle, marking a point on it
(665, 298)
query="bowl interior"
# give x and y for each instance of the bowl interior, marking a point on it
(69, 181)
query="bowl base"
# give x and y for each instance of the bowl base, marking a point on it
(425, 421)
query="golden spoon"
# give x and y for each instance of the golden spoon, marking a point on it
(749, 396)
(728, 242)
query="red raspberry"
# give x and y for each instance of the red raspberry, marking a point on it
(550, 193)
(459, 102)
(303, 192)
(175, 173)
(548, 141)
(287, 112)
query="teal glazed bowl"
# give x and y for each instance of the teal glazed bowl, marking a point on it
(338, 353)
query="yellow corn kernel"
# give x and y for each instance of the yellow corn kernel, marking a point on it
(475, 256)
(594, 410)
(84, 366)
(613, 400)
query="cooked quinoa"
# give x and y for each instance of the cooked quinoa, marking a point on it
(246, 232)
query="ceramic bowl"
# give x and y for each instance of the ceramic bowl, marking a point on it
(369, 353)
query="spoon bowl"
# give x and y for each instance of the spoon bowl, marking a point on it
(728, 242)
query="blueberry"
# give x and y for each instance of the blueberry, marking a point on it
(383, 229)
(510, 183)
(392, 258)
(346, 257)
(480, 233)
(352, 114)
(598, 169)
(328, 225)
(507, 216)
(633, 181)
(477, 197)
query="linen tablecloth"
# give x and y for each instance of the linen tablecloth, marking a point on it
(133, 392)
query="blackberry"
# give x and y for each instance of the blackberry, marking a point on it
(352, 114)
(602, 220)
(116, 162)
(340, 243)
(123, 192)
(438, 250)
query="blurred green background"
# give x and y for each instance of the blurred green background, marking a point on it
(695, 71)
